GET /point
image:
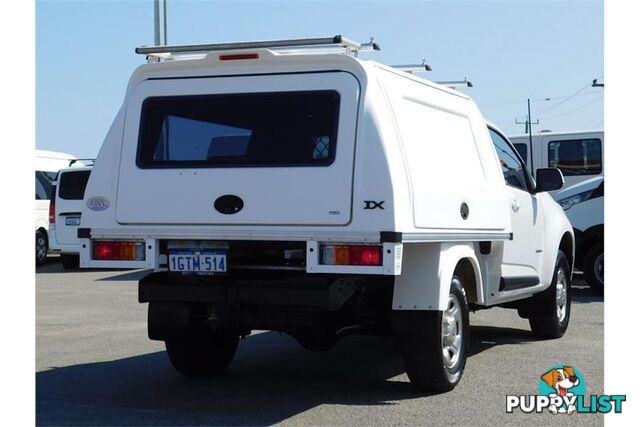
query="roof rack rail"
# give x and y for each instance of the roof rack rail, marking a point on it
(414, 68)
(453, 84)
(335, 42)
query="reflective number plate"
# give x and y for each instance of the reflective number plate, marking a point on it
(198, 261)
(72, 220)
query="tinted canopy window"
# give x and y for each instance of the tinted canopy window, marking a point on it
(576, 157)
(257, 129)
(72, 185)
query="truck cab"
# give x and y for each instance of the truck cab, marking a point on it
(292, 186)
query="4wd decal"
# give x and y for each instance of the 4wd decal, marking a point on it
(98, 203)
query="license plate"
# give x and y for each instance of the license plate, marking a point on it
(72, 220)
(198, 261)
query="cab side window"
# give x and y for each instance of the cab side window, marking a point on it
(514, 172)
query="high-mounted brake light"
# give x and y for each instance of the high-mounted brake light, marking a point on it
(351, 255)
(238, 56)
(52, 206)
(118, 251)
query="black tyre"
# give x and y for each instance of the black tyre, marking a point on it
(42, 247)
(434, 343)
(551, 318)
(69, 261)
(593, 268)
(203, 353)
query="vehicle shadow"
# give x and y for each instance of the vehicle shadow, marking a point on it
(53, 265)
(270, 380)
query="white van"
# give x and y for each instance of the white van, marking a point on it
(66, 208)
(47, 165)
(292, 186)
(578, 154)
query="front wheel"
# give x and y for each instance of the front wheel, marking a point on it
(434, 343)
(204, 353)
(551, 319)
(594, 268)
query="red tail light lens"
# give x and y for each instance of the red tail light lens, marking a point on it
(351, 255)
(118, 251)
(52, 206)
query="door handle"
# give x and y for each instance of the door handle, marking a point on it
(515, 206)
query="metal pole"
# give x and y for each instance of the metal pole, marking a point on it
(160, 22)
(164, 22)
(529, 126)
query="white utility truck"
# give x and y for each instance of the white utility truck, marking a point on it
(578, 154)
(47, 165)
(584, 205)
(291, 186)
(66, 203)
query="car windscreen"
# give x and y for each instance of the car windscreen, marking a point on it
(71, 185)
(239, 130)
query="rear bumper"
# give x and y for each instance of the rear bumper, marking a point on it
(323, 306)
(327, 292)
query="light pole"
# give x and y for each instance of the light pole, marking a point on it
(527, 128)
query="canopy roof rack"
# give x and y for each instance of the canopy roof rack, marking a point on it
(85, 161)
(453, 84)
(414, 68)
(332, 44)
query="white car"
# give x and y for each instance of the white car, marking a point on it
(584, 205)
(47, 165)
(66, 209)
(292, 186)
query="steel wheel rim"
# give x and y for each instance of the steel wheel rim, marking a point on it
(451, 332)
(561, 295)
(598, 268)
(41, 248)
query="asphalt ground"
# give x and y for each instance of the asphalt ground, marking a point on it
(96, 366)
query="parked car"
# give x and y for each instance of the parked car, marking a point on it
(47, 165)
(270, 186)
(578, 154)
(584, 205)
(66, 208)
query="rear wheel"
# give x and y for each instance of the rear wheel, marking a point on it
(594, 268)
(434, 343)
(70, 261)
(42, 246)
(551, 320)
(204, 353)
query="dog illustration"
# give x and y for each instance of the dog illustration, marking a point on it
(561, 379)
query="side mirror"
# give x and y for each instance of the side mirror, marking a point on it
(548, 179)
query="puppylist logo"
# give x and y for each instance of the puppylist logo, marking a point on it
(562, 390)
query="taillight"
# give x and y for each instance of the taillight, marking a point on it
(52, 206)
(351, 255)
(118, 251)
